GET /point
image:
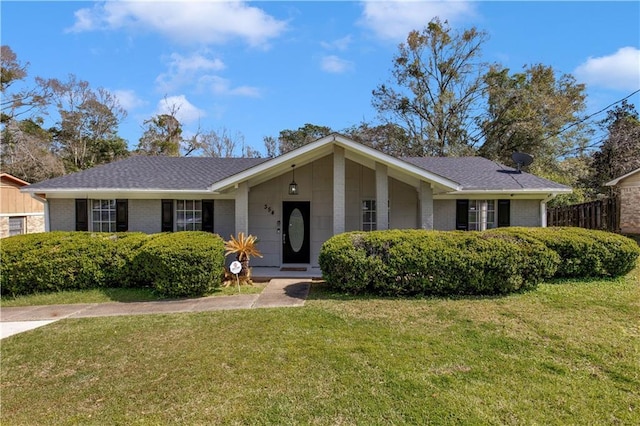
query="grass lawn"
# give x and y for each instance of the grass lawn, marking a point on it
(567, 353)
(101, 295)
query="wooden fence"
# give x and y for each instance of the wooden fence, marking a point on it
(601, 214)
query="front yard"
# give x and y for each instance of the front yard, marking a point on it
(566, 353)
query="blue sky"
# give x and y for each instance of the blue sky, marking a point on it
(257, 68)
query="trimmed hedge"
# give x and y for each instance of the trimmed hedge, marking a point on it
(57, 261)
(417, 262)
(182, 264)
(583, 252)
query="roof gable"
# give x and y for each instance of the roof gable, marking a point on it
(353, 150)
(617, 180)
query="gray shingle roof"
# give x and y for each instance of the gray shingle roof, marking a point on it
(480, 173)
(163, 173)
(198, 173)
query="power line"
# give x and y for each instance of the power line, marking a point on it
(564, 129)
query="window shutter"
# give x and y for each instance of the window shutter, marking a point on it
(207, 215)
(462, 215)
(122, 215)
(167, 216)
(82, 214)
(504, 213)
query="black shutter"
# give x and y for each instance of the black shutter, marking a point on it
(167, 216)
(122, 215)
(504, 213)
(207, 215)
(82, 214)
(462, 215)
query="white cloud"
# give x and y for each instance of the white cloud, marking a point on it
(620, 71)
(221, 86)
(200, 22)
(186, 111)
(185, 69)
(335, 65)
(128, 99)
(394, 19)
(339, 44)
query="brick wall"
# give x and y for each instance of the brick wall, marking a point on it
(630, 210)
(62, 214)
(145, 216)
(525, 213)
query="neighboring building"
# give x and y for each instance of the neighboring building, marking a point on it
(629, 186)
(295, 202)
(19, 213)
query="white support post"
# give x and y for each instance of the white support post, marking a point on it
(382, 197)
(338, 190)
(242, 208)
(426, 205)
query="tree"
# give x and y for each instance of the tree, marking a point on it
(437, 86)
(388, 138)
(531, 112)
(87, 131)
(162, 136)
(25, 101)
(26, 152)
(220, 143)
(270, 145)
(619, 153)
(292, 139)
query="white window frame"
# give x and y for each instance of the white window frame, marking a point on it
(188, 215)
(105, 211)
(369, 215)
(482, 215)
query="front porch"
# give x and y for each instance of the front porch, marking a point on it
(264, 274)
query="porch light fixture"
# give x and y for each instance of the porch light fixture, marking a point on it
(293, 186)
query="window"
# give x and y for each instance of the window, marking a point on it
(482, 215)
(369, 215)
(16, 226)
(103, 215)
(188, 215)
(478, 215)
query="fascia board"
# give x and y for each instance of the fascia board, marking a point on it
(109, 193)
(14, 179)
(481, 193)
(617, 180)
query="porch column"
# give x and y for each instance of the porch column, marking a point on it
(242, 208)
(338, 190)
(382, 197)
(426, 205)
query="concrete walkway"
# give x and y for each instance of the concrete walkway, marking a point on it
(278, 293)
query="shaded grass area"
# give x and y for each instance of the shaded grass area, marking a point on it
(564, 354)
(101, 295)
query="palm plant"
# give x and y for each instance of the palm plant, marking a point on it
(243, 247)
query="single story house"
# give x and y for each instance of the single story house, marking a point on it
(19, 213)
(629, 187)
(295, 202)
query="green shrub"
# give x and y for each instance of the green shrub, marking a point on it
(182, 264)
(416, 262)
(57, 261)
(583, 252)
